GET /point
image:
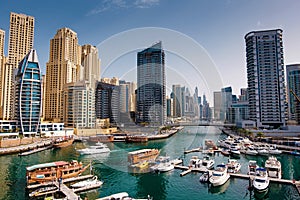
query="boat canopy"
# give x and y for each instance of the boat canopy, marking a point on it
(44, 165)
(261, 169)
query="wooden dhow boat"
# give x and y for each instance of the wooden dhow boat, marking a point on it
(53, 171)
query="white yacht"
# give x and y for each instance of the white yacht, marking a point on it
(273, 167)
(252, 166)
(235, 152)
(263, 152)
(94, 150)
(207, 162)
(251, 151)
(219, 175)
(195, 162)
(261, 180)
(274, 151)
(233, 166)
(163, 164)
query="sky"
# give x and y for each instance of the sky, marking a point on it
(203, 39)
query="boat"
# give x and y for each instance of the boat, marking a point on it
(121, 196)
(261, 180)
(136, 138)
(207, 162)
(204, 178)
(101, 138)
(225, 152)
(94, 150)
(274, 151)
(219, 175)
(251, 151)
(273, 167)
(141, 165)
(163, 164)
(233, 166)
(48, 172)
(235, 153)
(42, 190)
(88, 182)
(63, 142)
(252, 166)
(195, 162)
(141, 155)
(263, 152)
(295, 153)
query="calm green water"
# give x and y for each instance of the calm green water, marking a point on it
(112, 169)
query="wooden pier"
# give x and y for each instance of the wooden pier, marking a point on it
(70, 194)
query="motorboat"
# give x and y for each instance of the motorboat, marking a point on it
(204, 178)
(42, 190)
(195, 162)
(252, 166)
(251, 151)
(273, 167)
(88, 182)
(207, 162)
(261, 180)
(163, 164)
(219, 175)
(121, 196)
(274, 151)
(94, 150)
(235, 153)
(233, 166)
(225, 152)
(263, 152)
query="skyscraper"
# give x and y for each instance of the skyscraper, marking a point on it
(2, 61)
(63, 67)
(28, 94)
(177, 101)
(265, 73)
(217, 105)
(91, 64)
(151, 84)
(293, 86)
(21, 33)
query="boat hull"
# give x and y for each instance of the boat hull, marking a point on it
(219, 182)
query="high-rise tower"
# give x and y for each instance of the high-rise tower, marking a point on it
(293, 86)
(21, 33)
(2, 61)
(63, 67)
(151, 95)
(28, 94)
(265, 73)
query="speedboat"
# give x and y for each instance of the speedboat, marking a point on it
(273, 167)
(163, 164)
(263, 152)
(94, 150)
(204, 178)
(252, 166)
(225, 152)
(195, 162)
(219, 175)
(122, 196)
(42, 190)
(261, 180)
(235, 153)
(274, 151)
(207, 162)
(251, 151)
(233, 166)
(88, 182)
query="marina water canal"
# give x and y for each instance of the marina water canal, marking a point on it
(112, 169)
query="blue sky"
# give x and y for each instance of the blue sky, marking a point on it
(217, 26)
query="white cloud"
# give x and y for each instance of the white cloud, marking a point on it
(122, 4)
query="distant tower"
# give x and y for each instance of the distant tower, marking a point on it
(63, 67)
(265, 74)
(2, 75)
(177, 101)
(293, 85)
(151, 84)
(28, 94)
(217, 104)
(21, 33)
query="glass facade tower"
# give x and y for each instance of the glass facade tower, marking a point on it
(28, 94)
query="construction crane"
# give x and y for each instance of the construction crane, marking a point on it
(298, 99)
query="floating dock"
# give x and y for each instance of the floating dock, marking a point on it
(187, 170)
